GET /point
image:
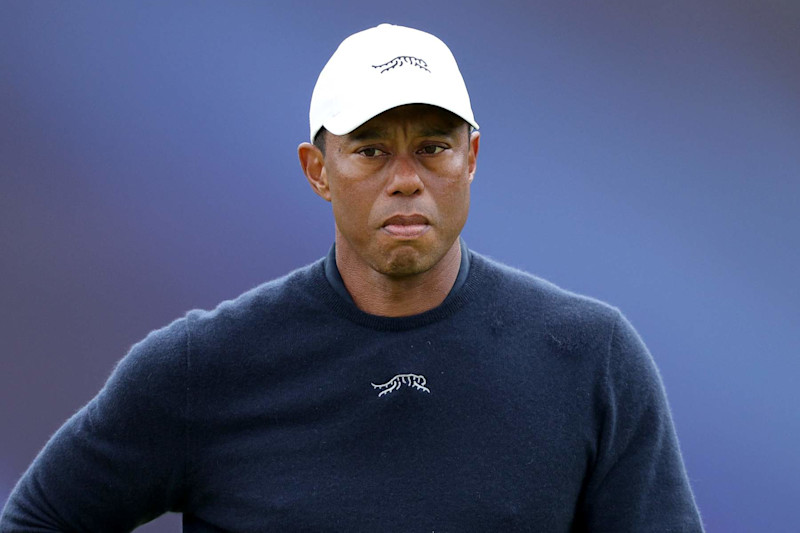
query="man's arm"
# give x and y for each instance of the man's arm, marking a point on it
(120, 461)
(639, 482)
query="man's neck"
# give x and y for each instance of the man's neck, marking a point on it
(394, 296)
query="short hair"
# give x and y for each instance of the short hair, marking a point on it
(319, 140)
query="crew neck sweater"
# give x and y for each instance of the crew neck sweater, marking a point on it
(512, 406)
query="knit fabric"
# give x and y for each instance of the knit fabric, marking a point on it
(513, 406)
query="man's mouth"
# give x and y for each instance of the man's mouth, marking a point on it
(406, 226)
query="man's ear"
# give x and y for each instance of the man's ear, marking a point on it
(313, 164)
(474, 144)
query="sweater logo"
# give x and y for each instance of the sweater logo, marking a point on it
(411, 380)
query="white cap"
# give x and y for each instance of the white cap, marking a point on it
(381, 68)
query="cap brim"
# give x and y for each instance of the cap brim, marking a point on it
(345, 122)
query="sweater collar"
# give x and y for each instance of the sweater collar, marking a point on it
(344, 302)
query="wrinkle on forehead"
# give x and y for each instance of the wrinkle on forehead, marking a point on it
(418, 120)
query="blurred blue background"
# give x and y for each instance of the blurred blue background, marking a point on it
(646, 153)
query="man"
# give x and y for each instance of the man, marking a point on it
(402, 383)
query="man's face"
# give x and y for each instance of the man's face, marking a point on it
(399, 186)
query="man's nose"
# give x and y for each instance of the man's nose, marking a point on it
(405, 179)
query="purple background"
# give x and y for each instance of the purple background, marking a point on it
(646, 153)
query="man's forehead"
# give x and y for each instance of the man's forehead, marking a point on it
(419, 118)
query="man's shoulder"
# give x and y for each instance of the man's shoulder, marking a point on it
(266, 302)
(562, 312)
(519, 284)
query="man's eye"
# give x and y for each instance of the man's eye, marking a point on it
(431, 149)
(371, 152)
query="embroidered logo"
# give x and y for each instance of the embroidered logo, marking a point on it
(400, 61)
(412, 380)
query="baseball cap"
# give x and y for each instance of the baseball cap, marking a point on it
(383, 67)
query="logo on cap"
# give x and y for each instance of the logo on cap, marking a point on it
(400, 61)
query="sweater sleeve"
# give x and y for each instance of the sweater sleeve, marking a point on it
(638, 482)
(118, 462)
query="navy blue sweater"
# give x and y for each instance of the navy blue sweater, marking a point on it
(513, 406)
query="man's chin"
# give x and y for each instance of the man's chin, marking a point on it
(407, 262)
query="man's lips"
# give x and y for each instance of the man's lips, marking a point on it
(406, 226)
